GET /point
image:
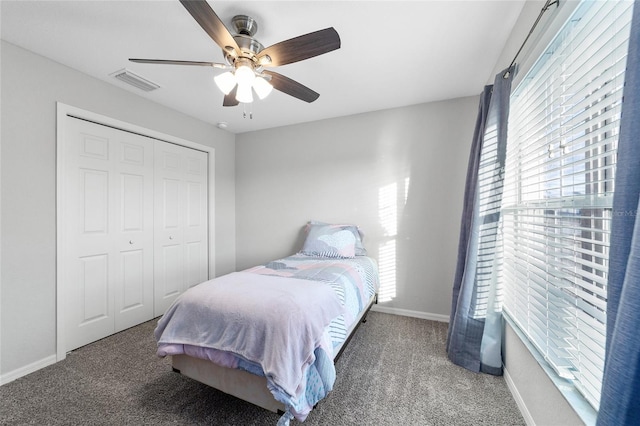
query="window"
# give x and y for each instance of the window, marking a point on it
(558, 192)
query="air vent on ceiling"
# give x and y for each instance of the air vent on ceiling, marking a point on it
(135, 80)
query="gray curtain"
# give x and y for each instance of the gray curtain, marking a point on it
(620, 399)
(472, 300)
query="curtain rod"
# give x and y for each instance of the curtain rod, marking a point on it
(546, 7)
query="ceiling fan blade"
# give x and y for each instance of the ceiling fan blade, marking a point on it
(291, 87)
(172, 62)
(211, 24)
(301, 47)
(230, 99)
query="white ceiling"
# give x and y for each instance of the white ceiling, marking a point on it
(393, 53)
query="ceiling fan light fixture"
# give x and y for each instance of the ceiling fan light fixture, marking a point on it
(262, 87)
(244, 93)
(245, 76)
(225, 82)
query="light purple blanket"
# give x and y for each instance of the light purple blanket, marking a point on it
(273, 321)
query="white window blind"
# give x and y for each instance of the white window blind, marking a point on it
(558, 191)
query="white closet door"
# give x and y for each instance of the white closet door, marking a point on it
(196, 218)
(181, 244)
(109, 226)
(133, 284)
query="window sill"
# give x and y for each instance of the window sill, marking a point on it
(580, 405)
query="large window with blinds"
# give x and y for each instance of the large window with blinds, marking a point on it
(558, 192)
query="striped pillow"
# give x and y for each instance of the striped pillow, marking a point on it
(330, 241)
(357, 233)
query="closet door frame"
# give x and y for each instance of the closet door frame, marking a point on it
(64, 111)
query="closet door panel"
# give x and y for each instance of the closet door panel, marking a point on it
(180, 222)
(194, 204)
(89, 222)
(133, 287)
(171, 270)
(132, 208)
(171, 220)
(132, 276)
(196, 241)
(94, 289)
(94, 201)
(194, 264)
(169, 223)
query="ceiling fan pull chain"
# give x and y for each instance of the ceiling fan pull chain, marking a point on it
(244, 111)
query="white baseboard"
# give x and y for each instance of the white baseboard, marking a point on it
(409, 313)
(528, 419)
(27, 369)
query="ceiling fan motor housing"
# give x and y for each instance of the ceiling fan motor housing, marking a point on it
(245, 27)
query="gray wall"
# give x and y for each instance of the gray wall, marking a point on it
(31, 85)
(347, 170)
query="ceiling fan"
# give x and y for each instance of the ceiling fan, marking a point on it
(246, 59)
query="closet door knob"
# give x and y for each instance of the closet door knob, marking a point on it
(170, 237)
(130, 241)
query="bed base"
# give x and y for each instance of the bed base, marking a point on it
(242, 384)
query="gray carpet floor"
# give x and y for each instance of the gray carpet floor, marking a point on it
(394, 372)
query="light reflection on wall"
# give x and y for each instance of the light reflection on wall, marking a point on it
(388, 217)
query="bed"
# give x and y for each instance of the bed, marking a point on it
(270, 334)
